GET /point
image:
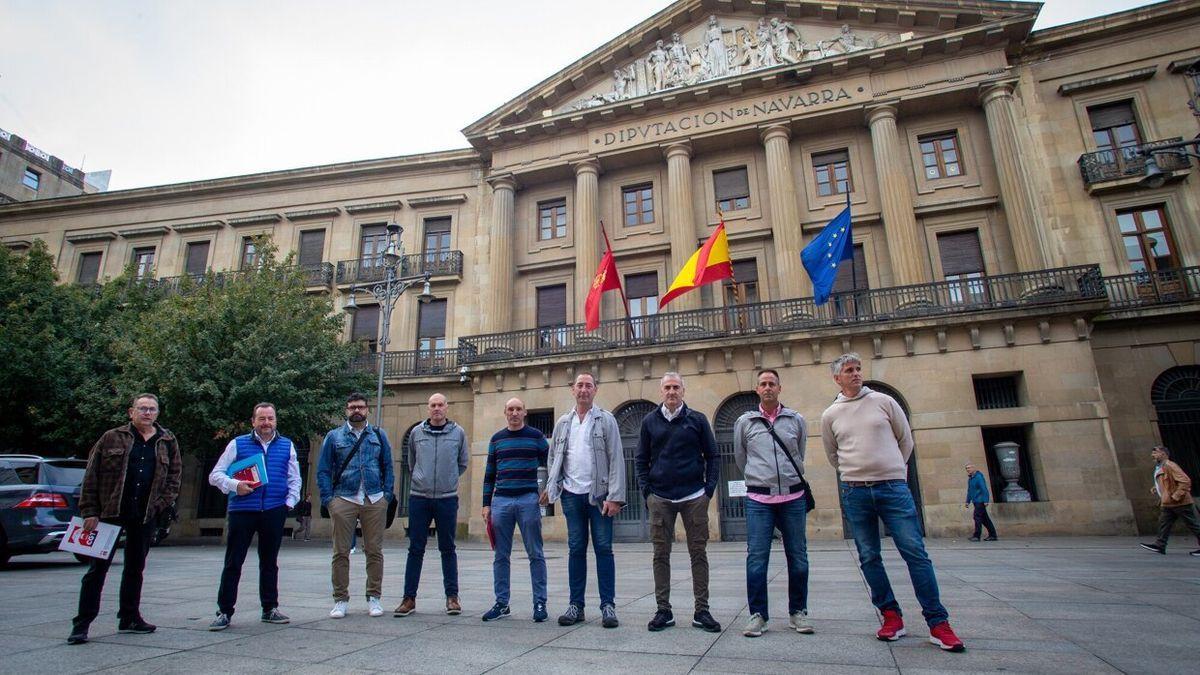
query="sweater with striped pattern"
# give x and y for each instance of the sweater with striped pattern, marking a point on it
(512, 463)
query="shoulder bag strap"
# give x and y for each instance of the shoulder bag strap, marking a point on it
(337, 478)
(779, 441)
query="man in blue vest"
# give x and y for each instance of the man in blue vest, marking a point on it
(256, 509)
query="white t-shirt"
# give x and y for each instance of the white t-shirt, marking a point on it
(580, 460)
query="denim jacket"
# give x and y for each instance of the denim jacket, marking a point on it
(363, 469)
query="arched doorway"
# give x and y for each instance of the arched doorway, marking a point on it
(1176, 398)
(732, 509)
(404, 477)
(914, 481)
(632, 523)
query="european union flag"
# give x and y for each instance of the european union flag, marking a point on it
(823, 254)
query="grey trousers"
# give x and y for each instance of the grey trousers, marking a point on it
(1168, 516)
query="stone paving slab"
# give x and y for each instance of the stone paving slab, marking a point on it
(1088, 604)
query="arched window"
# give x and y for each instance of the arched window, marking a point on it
(1176, 398)
(632, 523)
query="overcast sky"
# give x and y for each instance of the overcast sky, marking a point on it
(168, 91)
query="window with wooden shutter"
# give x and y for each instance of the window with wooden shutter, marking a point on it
(745, 290)
(249, 253)
(552, 219)
(431, 326)
(1114, 130)
(551, 312)
(143, 263)
(831, 170)
(732, 189)
(312, 248)
(89, 267)
(638, 202)
(365, 327)
(962, 263)
(940, 155)
(196, 262)
(373, 241)
(437, 236)
(642, 292)
(852, 277)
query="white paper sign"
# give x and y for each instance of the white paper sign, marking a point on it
(737, 488)
(98, 543)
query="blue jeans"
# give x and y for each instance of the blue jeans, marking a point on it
(582, 514)
(761, 521)
(421, 512)
(892, 502)
(507, 514)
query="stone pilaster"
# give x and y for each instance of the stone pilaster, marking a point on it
(1020, 210)
(587, 230)
(680, 225)
(791, 280)
(499, 310)
(905, 250)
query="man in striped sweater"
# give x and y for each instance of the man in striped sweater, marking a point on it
(510, 498)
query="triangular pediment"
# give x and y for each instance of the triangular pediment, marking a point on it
(700, 44)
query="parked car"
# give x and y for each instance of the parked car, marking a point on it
(38, 498)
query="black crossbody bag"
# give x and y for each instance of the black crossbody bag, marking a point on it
(810, 502)
(391, 506)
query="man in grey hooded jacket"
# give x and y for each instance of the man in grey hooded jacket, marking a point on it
(437, 455)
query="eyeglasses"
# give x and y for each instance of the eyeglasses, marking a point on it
(146, 410)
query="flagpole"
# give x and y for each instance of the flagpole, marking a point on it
(737, 291)
(853, 261)
(620, 286)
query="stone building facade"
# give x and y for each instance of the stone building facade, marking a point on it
(1015, 279)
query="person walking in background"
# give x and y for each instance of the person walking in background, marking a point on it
(978, 495)
(1173, 488)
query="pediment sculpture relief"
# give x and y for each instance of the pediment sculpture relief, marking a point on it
(724, 52)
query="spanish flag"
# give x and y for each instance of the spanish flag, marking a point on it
(710, 263)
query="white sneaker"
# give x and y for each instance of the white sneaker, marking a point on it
(373, 607)
(339, 609)
(755, 626)
(800, 622)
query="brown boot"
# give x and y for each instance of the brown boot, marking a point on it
(452, 606)
(407, 606)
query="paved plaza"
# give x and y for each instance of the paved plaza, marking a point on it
(1049, 605)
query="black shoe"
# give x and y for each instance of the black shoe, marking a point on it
(663, 618)
(572, 616)
(138, 626)
(973, 539)
(78, 636)
(219, 623)
(703, 619)
(1154, 547)
(274, 616)
(992, 538)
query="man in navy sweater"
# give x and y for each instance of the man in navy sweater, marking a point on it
(677, 471)
(977, 495)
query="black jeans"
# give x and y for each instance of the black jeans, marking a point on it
(137, 545)
(242, 526)
(1167, 518)
(982, 520)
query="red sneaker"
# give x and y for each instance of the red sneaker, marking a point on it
(893, 626)
(943, 636)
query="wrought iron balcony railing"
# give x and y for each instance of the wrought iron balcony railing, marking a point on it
(1025, 289)
(1159, 287)
(436, 263)
(409, 363)
(1106, 165)
(314, 275)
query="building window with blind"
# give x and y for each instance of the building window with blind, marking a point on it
(940, 155)
(642, 293)
(32, 179)
(1146, 235)
(552, 219)
(431, 326)
(249, 253)
(195, 262)
(143, 263)
(831, 170)
(436, 248)
(962, 265)
(371, 245)
(850, 286)
(638, 202)
(365, 326)
(742, 289)
(732, 189)
(89, 268)
(312, 249)
(1115, 132)
(552, 316)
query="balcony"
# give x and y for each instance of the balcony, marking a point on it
(1127, 164)
(1160, 287)
(319, 275)
(1023, 290)
(436, 264)
(415, 363)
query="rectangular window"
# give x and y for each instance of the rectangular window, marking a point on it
(642, 293)
(365, 327)
(1146, 235)
(940, 155)
(638, 202)
(1114, 130)
(732, 189)
(743, 288)
(962, 263)
(437, 246)
(551, 313)
(32, 179)
(196, 261)
(89, 268)
(249, 253)
(431, 326)
(552, 219)
(312, 248)
(143, 263)
(850, 286)
(832, 173)
(994, 391)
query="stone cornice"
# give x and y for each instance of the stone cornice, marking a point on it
(90, 236)
(199, 226)
(18, 244)
(144, 231)
(1103, 28)
(327, 212)
(1090, 83)
(393, 205)
(256, 219)
(437, 200)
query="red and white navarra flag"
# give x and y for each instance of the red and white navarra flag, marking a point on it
(607, 279)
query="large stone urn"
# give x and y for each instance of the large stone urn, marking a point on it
(1008, 457)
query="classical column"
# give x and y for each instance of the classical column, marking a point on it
(500, 263)
(791, 279)
(895, 195)
(587, 230)
(680, 225)
(1019, 205)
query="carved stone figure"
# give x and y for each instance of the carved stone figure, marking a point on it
(765, 49)
(658, 67)
(681, 62)
(843, 43)
(621, 83)
(781, 32)
(716, 58)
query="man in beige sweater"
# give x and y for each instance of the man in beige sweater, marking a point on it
(868, 440)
